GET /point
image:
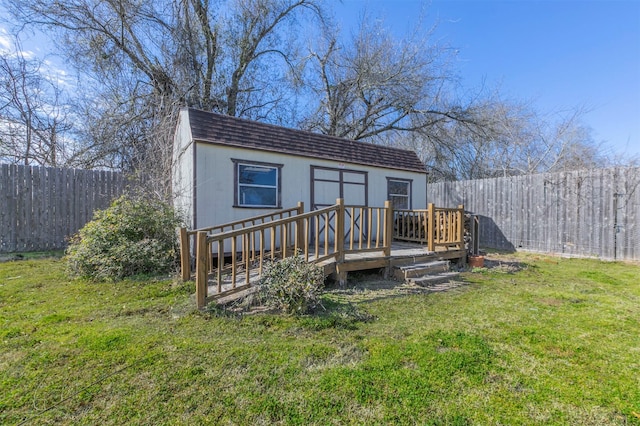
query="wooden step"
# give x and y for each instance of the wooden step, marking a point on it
(420, 269)
(432, 280)
(397, 261)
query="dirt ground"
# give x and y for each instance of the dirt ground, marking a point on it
(372, 284)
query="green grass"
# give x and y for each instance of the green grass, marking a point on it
(556, 341)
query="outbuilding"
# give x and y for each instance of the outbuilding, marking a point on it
(227, 169)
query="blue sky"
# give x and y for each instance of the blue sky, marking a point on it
(557, 54)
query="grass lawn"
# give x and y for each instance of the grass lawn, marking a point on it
(534, 340)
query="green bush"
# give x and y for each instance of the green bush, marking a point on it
(133, 236)
(292, 285)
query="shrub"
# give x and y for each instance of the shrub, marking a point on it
(133, 236)
(292, 285)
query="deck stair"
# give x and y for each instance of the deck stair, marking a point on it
(426, 274)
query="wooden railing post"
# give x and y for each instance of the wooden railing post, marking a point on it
(185, 255)
(461, 225)
(431, 226)
(202, 269)
(424, 231)
(387, 236)
(339, 233)
(300, 234)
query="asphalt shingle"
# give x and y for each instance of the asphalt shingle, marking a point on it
(220, 129)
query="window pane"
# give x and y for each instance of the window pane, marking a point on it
(252, 196)
(398, 187)
(257, 175)
(399, 202)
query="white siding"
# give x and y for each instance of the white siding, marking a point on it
(378, 186)
(215, 183)
(183, 170)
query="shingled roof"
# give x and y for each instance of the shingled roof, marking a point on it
(220, 129)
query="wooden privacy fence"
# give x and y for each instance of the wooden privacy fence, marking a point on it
(232, 260)
(594, 213)
(40, 207)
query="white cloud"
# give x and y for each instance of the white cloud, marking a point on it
(5, 41)
(50, 70)
(57, 75)
(8, 46)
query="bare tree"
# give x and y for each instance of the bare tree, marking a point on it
(378, 88)
(33, 119)
(206, 53)
(143, 59)
(506, 138)
(139, 61)
(375, 87)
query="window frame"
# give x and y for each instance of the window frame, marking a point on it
(409, 197)
(237, 163)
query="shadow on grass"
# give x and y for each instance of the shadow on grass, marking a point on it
(337, 315)
(12, 257)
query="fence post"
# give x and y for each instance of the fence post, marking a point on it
(300, 229)
(431, 226)
(387, 236)
(202, 269)
(461, 225)
(185, 256)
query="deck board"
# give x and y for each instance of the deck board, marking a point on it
(402, 253)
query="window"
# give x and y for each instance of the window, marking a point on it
(399, 193)
(257, 184)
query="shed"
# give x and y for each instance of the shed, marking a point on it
(227, 169)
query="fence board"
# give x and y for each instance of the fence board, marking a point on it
(42, 207)
(572, 212)
(78, 182)
(36, 206)
(60, 188)
(4, 214)
(22, 208)
(12, 205)
(49, 219)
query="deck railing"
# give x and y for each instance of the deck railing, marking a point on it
(187, 237)
(233, 260)
(317, 236)
(435, 226)
(447, 227)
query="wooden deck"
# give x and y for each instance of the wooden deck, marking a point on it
(339, 238)
(402, 253)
